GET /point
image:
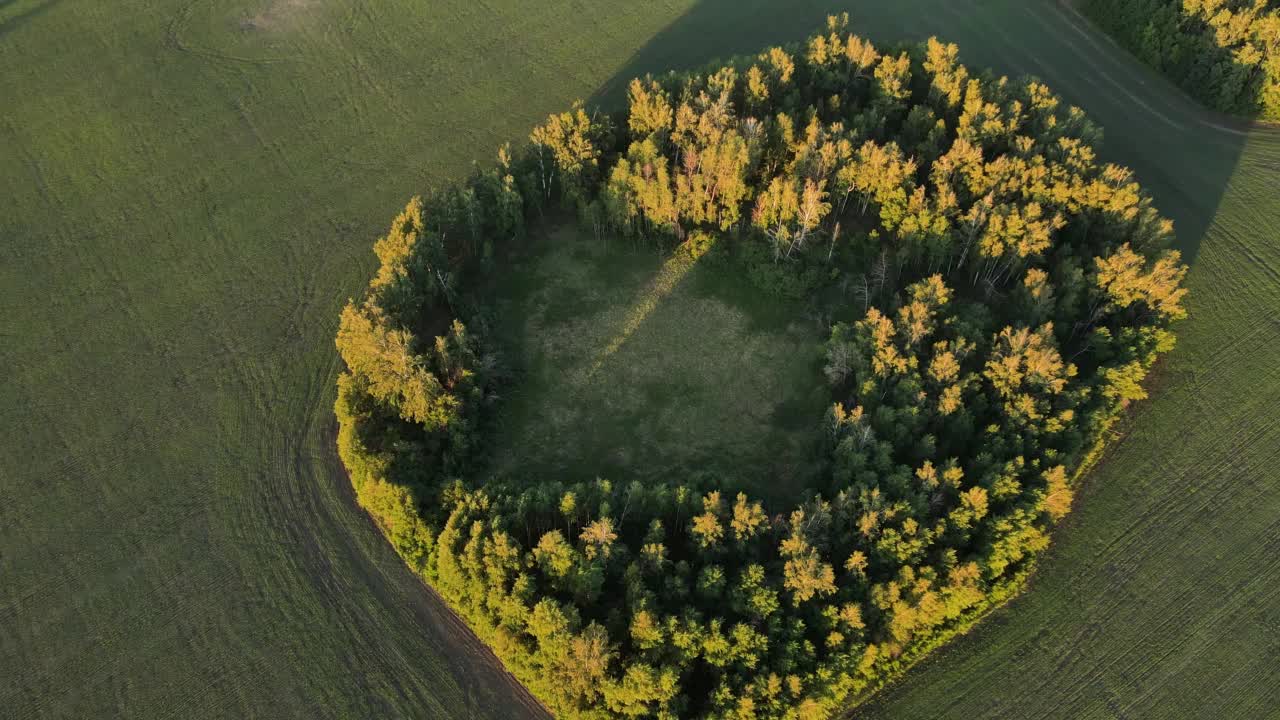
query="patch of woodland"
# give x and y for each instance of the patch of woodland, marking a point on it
(996, 297)
(1225, 53)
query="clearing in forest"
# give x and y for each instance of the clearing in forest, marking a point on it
(632, 366)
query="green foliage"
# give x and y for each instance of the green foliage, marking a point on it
(954, 418)
(1226, 53)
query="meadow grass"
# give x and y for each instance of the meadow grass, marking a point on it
(188, 194)
(633, 364)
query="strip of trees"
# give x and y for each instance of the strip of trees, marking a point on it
(1225, 53)
(1003, 295)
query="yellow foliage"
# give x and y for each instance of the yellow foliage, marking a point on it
(650, 109)
(748, 518)
(394, 248)
(1058, 495)
(1126, 279)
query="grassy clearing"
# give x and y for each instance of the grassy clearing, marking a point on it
(186, 202)
(635, 366)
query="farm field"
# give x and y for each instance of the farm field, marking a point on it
(187, 196)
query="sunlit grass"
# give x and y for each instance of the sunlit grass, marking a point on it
(669, 276)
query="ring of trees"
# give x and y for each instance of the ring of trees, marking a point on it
(1007, 294)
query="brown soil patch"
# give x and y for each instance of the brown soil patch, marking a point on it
(280, 15)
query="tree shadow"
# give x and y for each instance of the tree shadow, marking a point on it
(716, 30)
(8, 25)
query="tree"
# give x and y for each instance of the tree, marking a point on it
(642, 692)
(598, 537)
(892, 83)
(806, 575)
(1126, 278)
(1057, 497)
(1223, 53)
(748, 518)
(568, 149)
(1026, 370)
(706, 527)
(639, 194)
(393, 372)
(878, 173)
(555, 556)
(650, 108)
(712, 186)
(395, 248)
(788, 212)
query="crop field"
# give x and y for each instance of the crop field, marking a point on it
(188, 192)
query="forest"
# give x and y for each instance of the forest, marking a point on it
(1225, 53)
(997, 296)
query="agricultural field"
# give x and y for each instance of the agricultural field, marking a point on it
(188, 192)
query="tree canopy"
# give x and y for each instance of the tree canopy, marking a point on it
(1226, 53)
(997, 293)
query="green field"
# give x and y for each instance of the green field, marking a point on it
(188, 192)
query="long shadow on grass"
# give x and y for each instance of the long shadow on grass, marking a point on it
(8, 25)
(1054, 651)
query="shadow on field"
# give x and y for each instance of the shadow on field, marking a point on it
(489, 690)
(715, 30)
(8, 25)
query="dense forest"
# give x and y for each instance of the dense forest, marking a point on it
(1226, 53)
(998, 295)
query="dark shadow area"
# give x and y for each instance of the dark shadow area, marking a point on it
(716, 30)
(11, 24)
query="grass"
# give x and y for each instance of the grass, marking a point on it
(188, 193)
(187, 198)
(635, 366)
